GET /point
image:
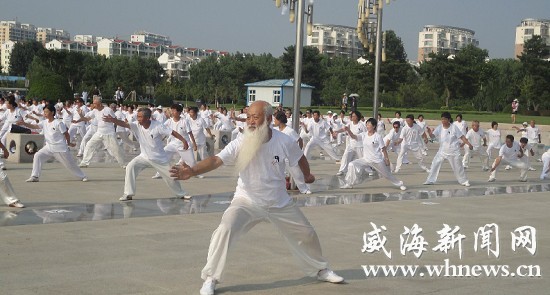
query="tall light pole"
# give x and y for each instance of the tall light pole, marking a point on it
(370, 16)
(298, 13)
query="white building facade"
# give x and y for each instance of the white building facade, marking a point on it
(6, 49)
(443, 39)
(527, 29)
(146, 37)
(335, 40)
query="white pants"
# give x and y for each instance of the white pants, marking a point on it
(298, 176)
(357, 167)
(125, 139)
(110, 142)
(350, 154)
(138, 164)
(79, 128)
(242, 216)
(186, 156)
(481, 153)
(545, 165)
(405, 150)
(6, 190)
(520, 163)
(65, 158)
(456, 165)
(90, 131)
(202, 151)
(325, 145)
(490, 149)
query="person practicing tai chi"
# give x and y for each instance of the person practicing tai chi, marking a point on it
(412, 139)
(6, 190)
(512, 154)
(57, 145)
(374, 155)
(476, 137)
(150, 135)
(318, 130)
(354, 148)
(449, 138)
(259, 157)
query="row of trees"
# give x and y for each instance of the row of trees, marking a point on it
(465, 81)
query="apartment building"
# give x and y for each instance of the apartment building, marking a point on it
(443, 39)
(527, 29)
(147, 37)
(45, 35)
(16, 31)
(335, 40)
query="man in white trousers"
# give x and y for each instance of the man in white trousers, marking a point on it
(374, 155)
(260, 195)
(6, 190)
(545, 173)
(412, 139)
(150, 135)
(512, 154)
(199, 127)
(318, 130)
(449, 138)
(57, 145)
(105, 134)
(90, 131)
(476, 137)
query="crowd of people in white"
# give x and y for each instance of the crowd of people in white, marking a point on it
(359, 145)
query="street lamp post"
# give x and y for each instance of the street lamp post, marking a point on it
(370, 16)
(298, 15)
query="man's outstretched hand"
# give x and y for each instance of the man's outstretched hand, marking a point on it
(181, 172)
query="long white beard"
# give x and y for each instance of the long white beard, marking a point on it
(252, 142)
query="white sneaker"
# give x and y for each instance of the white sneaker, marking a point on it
(308, 192)
(126, 198)
(187, 197)
(81, 165)
(79, 155)
(428, 183)
(465, 167)
(84, 179)
(339, 173)
(199, 176)
(32, 179)
(485, 168)
(508, 167)
(16, 204)
(327, 275)
(466, 184)
(208, 286)
(491, 179)
(371, 173)
(532, 169)
(156, 176)
(403, 188)
(346, 186)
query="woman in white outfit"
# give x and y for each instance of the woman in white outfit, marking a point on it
(449, 138)
(354, 148)
(57, 140)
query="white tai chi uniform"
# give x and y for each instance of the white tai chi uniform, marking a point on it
(510, 155)
(449, 149)
(354, 148)
(295, 172)
(9, 118)
(175, 145)
(463, 126)
(318, 132)
(545, 165)
(411, 142)
(105, 134)
(261, 196)
(124, 133)
(493, 141)
(389, 141)
(90, 131)
(373, 157)
(424, 127)
(56, 146)
(239, 126)
(152, 155)
(6, 190)
(476, 139)
(198, 127)
(533, 140)
(80, 127)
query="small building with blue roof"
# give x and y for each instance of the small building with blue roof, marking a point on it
(278, 92)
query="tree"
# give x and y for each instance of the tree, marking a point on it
(536, 71)
(46, 84)
(22, 56)
(312, 71)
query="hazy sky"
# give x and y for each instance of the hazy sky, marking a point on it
(257, 26)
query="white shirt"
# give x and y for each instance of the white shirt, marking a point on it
(532, 134)
(412, 136)
(510, 153)
(356, 129)
(103, 127)
(54, 135)
(262, 182)
(493, 138)
(225, 120)
(372, 147)
(151, 141)
(159, 116)
(449, 139)
(462, 125)
(197, 127)
(401, 121)
(290, 132)
(10, 118)
(66, 117)
(475, 138)
(318, 129)
(182, 127)
(381, 128)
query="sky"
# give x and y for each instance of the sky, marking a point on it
(257, 26)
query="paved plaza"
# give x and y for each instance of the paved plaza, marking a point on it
(76, 238)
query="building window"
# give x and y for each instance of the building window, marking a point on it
(251, 95)
(314, 40)
(428, 36)
(277, 96)
(428, 43)
(529, 31)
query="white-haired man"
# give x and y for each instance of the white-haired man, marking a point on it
(260, 195)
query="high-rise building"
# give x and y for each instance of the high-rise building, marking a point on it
(443, 39)
(335, 40)
(45, 35)
(16, 31)
(146, 37)
(527, 29)
(5, 54)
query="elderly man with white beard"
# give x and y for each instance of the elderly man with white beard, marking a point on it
(259, 157)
